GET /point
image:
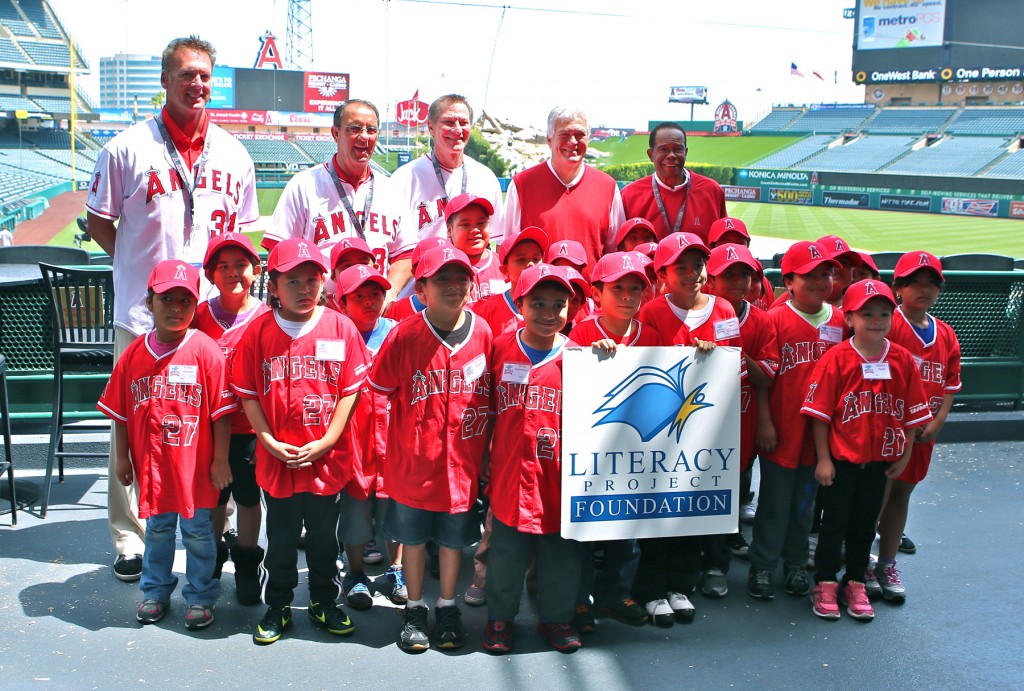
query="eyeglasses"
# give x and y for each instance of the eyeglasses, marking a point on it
(356, 130)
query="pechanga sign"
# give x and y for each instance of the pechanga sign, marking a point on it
(652, 449)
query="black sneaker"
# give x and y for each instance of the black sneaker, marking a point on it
(561, 637)
(413, 636)
(332, 617)
(761, 584)
(448, 633)
(737, 545)
(128, 568)
(907, 545)
(798, 583)
(231, 538)
(273, 624)
(627, 611)
(583, 619)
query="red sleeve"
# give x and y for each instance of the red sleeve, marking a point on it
(244, 366)
(112, 401)
(384, 375)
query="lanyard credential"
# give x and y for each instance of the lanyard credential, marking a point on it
(188, 190)
(440, 180)
(356, 222)
(661, 205)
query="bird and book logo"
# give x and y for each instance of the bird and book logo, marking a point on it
(650, 399)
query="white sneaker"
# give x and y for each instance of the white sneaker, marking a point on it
(660, 612)
(682, 608)
(747, 512)
(812, 547)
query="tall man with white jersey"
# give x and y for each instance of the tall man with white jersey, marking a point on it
(427, 183)
(345, 198)
(172, 182)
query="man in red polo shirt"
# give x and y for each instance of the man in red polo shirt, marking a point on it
(343, 197)
(172, 182)
(674, 199)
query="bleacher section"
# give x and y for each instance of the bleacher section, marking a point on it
(275, 152)
(35, 30)
(38, 15)
(1010, 167)
(830, 120)
(15, 102)
(776, 120)
(996, 121)
(9, 52)
(955, 156)
(318, 151)
(792, 155)
(57, 104)
(47, 54)
(909, 121)
(862, 155)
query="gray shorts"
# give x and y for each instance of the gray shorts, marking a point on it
(410, 526)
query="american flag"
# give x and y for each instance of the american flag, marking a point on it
(794, 71)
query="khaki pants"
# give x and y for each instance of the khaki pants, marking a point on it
(126, 529)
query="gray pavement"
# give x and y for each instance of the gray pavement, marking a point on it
(66, 623)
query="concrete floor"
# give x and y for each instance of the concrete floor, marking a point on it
(67, 623)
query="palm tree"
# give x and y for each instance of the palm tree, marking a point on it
(158, 100)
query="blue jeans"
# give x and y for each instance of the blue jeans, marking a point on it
(158, 581)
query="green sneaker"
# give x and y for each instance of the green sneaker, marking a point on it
(332, 617)
(273, 624)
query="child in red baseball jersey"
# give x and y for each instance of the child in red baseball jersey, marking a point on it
(469, 219)
(347, 252)
(406, 306)
(570, 254)
(361, 292)
(867, 269)
(298, 370)
(863, 398)
(168, 393)
(525, 469)
(806, 326)
(516, 253)
(731, 271)
(917, 281)
(232, 265)
(634, 233)
(434, 368)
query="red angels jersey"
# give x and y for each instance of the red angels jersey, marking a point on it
(705, 204)
(499, 313)
(801, 345)
(668, 320)
(402, 309)
(526, 475)
(586, 332)
(368, 427)
(416, 183)
(440, 399)
(759, 342)
(168, 404)
(310, 208)
(867, 414)
(939, 364)
(487, 277)
(228, 340)
(135, 181)
(298, 383)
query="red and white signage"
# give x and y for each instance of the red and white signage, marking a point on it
(412, 112)
(325, 91)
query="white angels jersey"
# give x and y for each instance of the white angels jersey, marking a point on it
(135, 181)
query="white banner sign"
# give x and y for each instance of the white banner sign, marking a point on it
(650, 443)
(887, 24)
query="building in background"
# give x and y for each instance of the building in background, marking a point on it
(125, 78)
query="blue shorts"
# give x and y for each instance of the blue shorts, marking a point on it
(410, 526)
(243, 485)
(357, 519)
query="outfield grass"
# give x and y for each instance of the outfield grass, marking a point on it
(725, 151)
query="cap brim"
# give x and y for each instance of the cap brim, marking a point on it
(167, 286)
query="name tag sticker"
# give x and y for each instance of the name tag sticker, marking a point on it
(182, 374)
(875, 370)
(830, 334)
(726, 329)
(515, 373)
(474, 368)
(330, 350)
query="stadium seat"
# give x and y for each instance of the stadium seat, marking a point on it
(886, 261)
(976, 262)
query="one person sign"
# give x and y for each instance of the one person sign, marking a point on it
(651, 445)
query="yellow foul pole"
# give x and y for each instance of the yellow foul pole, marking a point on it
(73, 119)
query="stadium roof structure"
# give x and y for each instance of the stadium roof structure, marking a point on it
(33, 39)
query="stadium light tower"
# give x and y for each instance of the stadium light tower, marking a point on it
(300, 35)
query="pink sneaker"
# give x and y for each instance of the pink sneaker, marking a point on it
(823, 598)
(855, 598)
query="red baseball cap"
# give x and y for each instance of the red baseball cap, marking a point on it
(627, 227)
(727, 225)
(354, 276)
(804, 256)
(648, 248)
(860, 292)
(174, 273)
(346, 245)
(838, 247)
(576, 279)
(426, 245)
(289, 253)
(674, 245)
(614, 265)
(912, 261)
(537, 274)
(566, 249)
(868, 261)
(433, 260)
(532, 233)
(219, 242)
(724, 256)
(457, 204)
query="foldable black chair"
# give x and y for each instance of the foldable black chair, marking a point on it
(82, 309)
(31, 254)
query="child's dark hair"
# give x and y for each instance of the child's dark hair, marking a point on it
(275, 302)
(212, 264)
(904, 281)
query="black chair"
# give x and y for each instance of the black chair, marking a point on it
(52, 254)
(886, 261)
(976, 262)
(82, 309)
(7, 465)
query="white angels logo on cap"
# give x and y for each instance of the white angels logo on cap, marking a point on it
(346, 243)
(543, 270)
(563, 249)
(448, 254)
(572, 274)
(870, 289)
(923, 260)
(813, 252)
(180, 272)
(441, 242)
(729, 225)
(840, 245)
(682, 241)
(731, 254)
(627, 263)
(303, 251)
(363, 271)
(228, 236)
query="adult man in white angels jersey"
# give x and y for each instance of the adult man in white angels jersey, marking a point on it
(444, 173)
(343, 197)
(171, 182)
